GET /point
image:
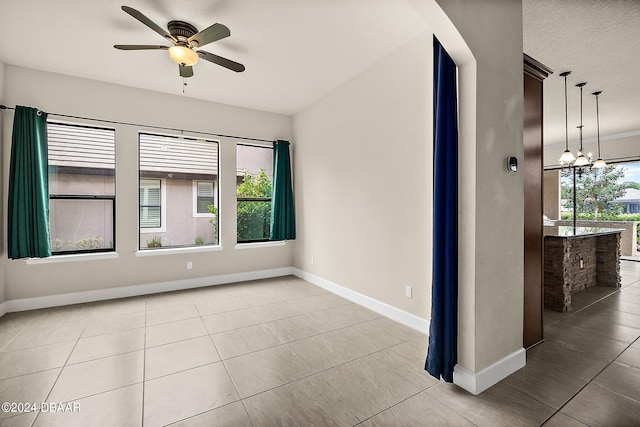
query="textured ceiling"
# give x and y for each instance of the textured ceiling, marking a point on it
(295, 51)
(599, 41)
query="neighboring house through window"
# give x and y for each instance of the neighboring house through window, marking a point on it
(81, 163)
(178, 183)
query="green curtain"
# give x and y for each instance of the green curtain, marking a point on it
(283, 220)
(28, 216)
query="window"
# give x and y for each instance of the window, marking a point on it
(178, 192)
(81, 188)
(253, 192)
(204, 196)
(150, 203)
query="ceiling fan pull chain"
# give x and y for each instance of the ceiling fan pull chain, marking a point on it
(184, 84)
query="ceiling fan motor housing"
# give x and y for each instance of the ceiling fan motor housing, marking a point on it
(181, 30)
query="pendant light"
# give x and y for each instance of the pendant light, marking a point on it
(581, 160)
(567, 157)
(598, 163)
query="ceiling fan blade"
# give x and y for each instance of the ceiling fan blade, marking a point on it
(185, 70)
(227, 63)
(149, 23)
(138, 47)
(208, 35)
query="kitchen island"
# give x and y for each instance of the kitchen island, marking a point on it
(576, 259)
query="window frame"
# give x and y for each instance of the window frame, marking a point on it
(251, 199)
(167, 194)
(195, 213)
(62, 196)
(163, 207)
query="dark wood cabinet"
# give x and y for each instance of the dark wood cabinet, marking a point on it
(534, 75)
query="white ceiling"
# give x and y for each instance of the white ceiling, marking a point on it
(295, 51)
(599, 41)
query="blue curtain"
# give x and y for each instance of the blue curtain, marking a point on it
(28, 216)
(283, 219)
(443, 330)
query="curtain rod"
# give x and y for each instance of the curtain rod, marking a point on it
(4, 107)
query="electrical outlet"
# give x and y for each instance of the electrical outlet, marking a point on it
(189, 265)
(407, 291)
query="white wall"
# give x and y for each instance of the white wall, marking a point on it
(493, 31)
(363, 173)
(68, 95)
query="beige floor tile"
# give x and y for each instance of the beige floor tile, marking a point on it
(256, 372)
(418, 410)
(387, 332)
(244, 340)
(295, 328)
(178, 396)
(597, 406)
(27, 388)
(368, 385)
(107, 345)
(618, 304)
(179, 356)
(11, 324)
(319, 302)
(34, 359)
(500, 405)
(175, 331)
(344, 315)
(231, 320)
(613, 316)
(561, 420)
(585, 341)
(171, 314)
(630, 357)
(98, 376)
(111, 324)
(597, 325)
(24, 420)
(223, 305)
(545, 383)
(121, 407)
(406, 362)
(621, 379)
(231, 415)
(561, 356)
(167, 299)
(306, 402)
(37, 335)
(250, 316)
(333, 348)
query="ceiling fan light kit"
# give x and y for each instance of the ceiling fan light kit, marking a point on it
(183, 55)
(185, 38)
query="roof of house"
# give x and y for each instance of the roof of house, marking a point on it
(631, 195)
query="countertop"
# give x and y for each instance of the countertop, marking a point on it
(569, 232)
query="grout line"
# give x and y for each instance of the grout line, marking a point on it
(144, 361)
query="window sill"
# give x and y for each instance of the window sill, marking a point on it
(174, 251)
(73, 257)
(260, 244)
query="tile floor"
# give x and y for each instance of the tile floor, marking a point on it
(283, 352)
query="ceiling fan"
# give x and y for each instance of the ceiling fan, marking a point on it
(185, 38)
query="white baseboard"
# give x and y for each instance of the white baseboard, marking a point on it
(382, 308)
(130, 291)
(477, 382)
